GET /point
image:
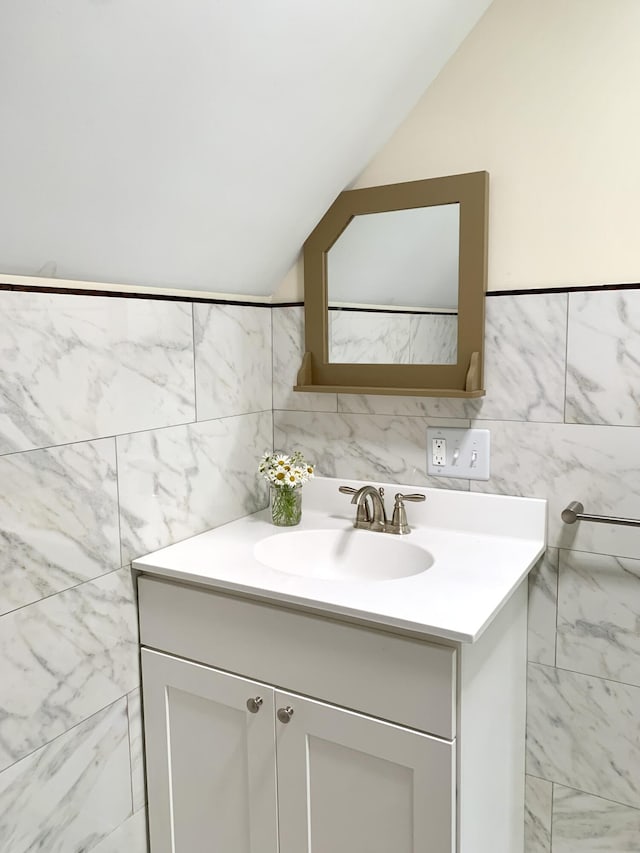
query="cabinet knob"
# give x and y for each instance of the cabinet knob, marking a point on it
(253, 705)
(285, 714)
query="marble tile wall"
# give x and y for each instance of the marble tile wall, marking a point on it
(366, 337)
(379, 337)
(125, 425)
(562, 376)
(128, 424)
(434, 339)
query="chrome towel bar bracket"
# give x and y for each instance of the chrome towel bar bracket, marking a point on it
(575, 512)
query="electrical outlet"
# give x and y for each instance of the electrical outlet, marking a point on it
(439, 451)
(458, 453)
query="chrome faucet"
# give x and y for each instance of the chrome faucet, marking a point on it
(370, 511)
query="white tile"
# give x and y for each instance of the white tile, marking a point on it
(71, 793)
(525, 354)
(136, 747)
(59, 510)
(447, 408)
(599, 616)
(174, 483)
(362, 447)
(586, 824)
(543, 597)
(288, 350)
(233, 359)
(129, 837)
(64, 658)
(582, 732)
(603, 360)
(434, 339)
(369, 337)
(566, 462)
(537, 815)
(81, 367)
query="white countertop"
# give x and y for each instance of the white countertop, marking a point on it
(483, 547)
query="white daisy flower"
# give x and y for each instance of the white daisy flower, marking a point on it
(288, 471)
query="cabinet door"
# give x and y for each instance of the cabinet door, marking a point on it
(210, 762)
(351, 784)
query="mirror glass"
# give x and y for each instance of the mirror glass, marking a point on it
(392, 288)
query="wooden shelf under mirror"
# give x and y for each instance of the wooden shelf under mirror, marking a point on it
(415, 278)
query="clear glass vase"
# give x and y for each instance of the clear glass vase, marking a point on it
(286, 506)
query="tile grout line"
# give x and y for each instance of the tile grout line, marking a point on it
(585, 674)
(555, 639)
(127, 695)
(273, 377)
(195, 371)
(68, 731)
(120, 543)
(65, 589)
(566, 359)
(91, 439)
(117, 435)
(553, 789)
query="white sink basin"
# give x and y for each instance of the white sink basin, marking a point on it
(349, 555)
(465, 556)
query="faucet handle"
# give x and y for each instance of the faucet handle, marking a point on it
(399, 519)
(347, 490)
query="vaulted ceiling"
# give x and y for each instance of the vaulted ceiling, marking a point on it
(195, 144)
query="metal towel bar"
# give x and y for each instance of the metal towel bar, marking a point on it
(575, 512)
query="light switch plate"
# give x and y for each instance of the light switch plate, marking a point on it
(466, 453)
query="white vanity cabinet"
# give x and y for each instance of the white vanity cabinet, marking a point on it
(323, 778)
(210, 764)
(273, 730)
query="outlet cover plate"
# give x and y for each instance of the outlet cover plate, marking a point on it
(461, 445)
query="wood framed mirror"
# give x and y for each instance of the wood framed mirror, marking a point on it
(394, 283)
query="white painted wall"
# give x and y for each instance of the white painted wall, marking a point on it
(196, 144)
(544, 95)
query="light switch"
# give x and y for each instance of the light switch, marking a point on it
(461, 453)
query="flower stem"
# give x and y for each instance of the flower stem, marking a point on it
(286, 506)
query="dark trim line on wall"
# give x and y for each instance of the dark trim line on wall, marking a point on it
(74, 291)
(287, 304)
(364, 310)
(125, 294)
(570, 289)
